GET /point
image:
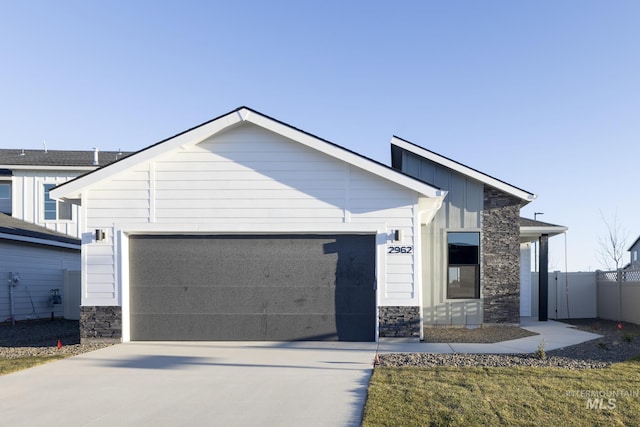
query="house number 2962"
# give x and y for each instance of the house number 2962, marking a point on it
(400, 249)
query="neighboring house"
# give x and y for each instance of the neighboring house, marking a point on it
(634, 249)
(35, 260)
(40, 236)
(246, 228)
(27, 176)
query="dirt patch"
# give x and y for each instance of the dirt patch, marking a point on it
(489, 334)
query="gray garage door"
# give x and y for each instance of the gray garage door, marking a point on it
(281, 288)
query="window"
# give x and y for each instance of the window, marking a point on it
(635, 256)
(463, 279)
(53, 209)
(5, 191)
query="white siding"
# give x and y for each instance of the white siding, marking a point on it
(241, 179)
(41, 268)
(28, 199)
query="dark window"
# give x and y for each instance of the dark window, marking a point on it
(463, 279)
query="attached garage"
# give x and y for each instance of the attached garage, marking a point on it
(245, 228)
(261, 287)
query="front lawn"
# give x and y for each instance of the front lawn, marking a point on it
(12, 365)
(411, 396)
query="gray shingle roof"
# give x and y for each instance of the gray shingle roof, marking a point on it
(17, 227)
(18, 157)
(527, 222)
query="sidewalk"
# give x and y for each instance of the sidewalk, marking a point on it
(554, 335)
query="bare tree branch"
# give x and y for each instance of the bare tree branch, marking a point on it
(613, 244)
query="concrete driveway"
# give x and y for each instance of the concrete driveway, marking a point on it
(194, 384)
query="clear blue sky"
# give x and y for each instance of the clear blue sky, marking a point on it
(542, 94)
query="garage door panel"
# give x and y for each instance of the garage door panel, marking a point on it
(230, 287)
(243, 327)
(235, 300)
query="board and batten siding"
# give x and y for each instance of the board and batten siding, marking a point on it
(28, 199)
(460, 211)
(41, 268)
(247, 178)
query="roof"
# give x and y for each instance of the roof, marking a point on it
(19, 157)
(634, 243)
(195, 135)
(16, 229)
(531, 229)
(458, 167)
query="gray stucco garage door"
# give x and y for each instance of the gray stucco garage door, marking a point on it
(281, 288)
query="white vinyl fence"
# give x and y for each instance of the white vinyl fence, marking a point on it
(619, 295)
(571, 295)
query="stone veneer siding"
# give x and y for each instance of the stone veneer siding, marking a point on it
(100, 324)
(398, 321)
(500, 257)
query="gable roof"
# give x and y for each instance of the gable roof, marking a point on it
(71, 189)
(15, 229)
(457, 167)
(633, 244)
(10, 158)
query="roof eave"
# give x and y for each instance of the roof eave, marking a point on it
(524, 195)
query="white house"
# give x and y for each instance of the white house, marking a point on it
(247, 228)
(39, 243)
(38, 264)
(27, 176)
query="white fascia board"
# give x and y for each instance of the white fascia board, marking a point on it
(532, 233)
(464, 170)
(73, 189)
(342, 154)
(38, 241)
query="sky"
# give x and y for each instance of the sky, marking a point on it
(544, 95)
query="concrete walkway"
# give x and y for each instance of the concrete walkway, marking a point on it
(223, 383)
(553, 334)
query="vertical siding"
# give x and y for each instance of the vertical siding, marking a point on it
(41, 268)
(28, 199)
(461, 210)
(246, 176)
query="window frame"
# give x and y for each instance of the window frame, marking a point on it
(46, 200)
(8, 185)
(476, 265)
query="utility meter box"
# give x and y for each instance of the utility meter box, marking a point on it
(55, 297)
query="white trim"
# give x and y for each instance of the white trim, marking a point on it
(122, 260)
(39, 241)
(248, 228)
(530, 234)
(198, 134)
(464, 170)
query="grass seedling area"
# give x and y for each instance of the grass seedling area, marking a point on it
(518, 396)
(12, 365)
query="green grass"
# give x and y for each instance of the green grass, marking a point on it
(503, 396)
(12, 365)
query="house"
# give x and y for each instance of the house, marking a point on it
(38, 235)
(634, 262)
(246, 228)
(27, 176)
(35, 261)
